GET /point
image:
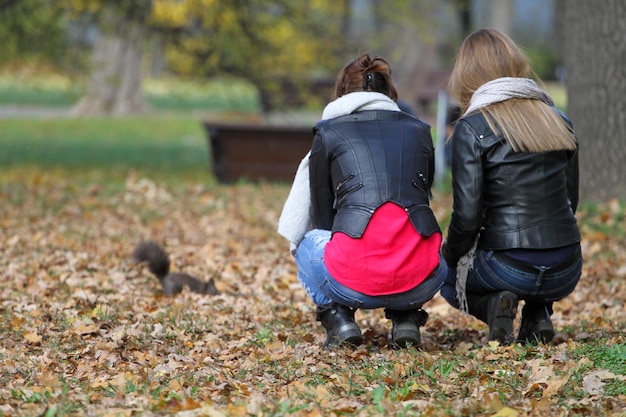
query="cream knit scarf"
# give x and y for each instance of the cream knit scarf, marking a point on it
(502, 89)
(495, 91)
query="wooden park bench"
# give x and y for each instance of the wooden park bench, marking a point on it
(256, 151)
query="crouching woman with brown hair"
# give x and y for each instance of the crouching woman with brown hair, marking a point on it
(375, 241)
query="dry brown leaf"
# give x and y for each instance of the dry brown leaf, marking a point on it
(594, 381)
(32, 337)
(119, 412)
(101, 327)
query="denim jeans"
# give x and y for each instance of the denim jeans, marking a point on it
(324, 289)
(490, 275)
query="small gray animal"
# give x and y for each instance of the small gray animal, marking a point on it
(159, 264)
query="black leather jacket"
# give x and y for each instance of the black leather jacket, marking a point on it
(514, 199)
(362, 160)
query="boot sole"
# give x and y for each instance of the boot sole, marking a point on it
(503, 314)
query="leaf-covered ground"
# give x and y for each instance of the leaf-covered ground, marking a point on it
(84, 331)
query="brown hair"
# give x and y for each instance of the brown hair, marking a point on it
(528, 125)
(365, 73)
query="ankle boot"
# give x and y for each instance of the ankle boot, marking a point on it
(340, 326)
(502, 311)
(498, 311)
(405, 329)
(536, 324)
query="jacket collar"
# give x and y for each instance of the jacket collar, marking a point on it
(358, 101)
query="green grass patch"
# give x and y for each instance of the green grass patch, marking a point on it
(56, 90)
(226, 94)
(600, 355)
(157, 145)
(42, 90)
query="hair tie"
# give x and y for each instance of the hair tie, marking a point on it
(368, 81)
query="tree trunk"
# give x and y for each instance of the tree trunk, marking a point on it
(594, 52)
(502, 15)
(115, 82)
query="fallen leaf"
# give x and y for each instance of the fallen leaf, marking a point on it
(594, 383)
(32, 337)
(506, 412)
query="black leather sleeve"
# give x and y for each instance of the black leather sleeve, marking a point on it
(468, 192)
(571, 172)
(572, 179)
(322, 196)
(431, 169)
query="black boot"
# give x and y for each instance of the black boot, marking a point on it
(536, 323)
(406, 326)
(498, 311)
(340, 326)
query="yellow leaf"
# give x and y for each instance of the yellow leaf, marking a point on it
(554, 385)
(99, 384)
(32, 337)
(17, 322)
(505, 412)
(175, 385)
(83, 329)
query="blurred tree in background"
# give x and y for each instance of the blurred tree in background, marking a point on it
(31, 30)
(594, 52)
(281, 47)
(291, 51)
(115, 79)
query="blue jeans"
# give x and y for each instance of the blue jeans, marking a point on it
(491, 275)
(324, 289)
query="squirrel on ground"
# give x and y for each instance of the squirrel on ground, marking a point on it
(159, 264)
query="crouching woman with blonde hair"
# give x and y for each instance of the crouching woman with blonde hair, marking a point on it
(513, 233)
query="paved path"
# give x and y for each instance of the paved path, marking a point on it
(9, 111)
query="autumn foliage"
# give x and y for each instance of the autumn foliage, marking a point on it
(85, 331)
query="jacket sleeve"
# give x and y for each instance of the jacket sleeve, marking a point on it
(572, 179)
(431, 168)
(467, 192)
(322, 196)
(571, 172)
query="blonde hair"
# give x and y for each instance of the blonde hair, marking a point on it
(528, 125)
